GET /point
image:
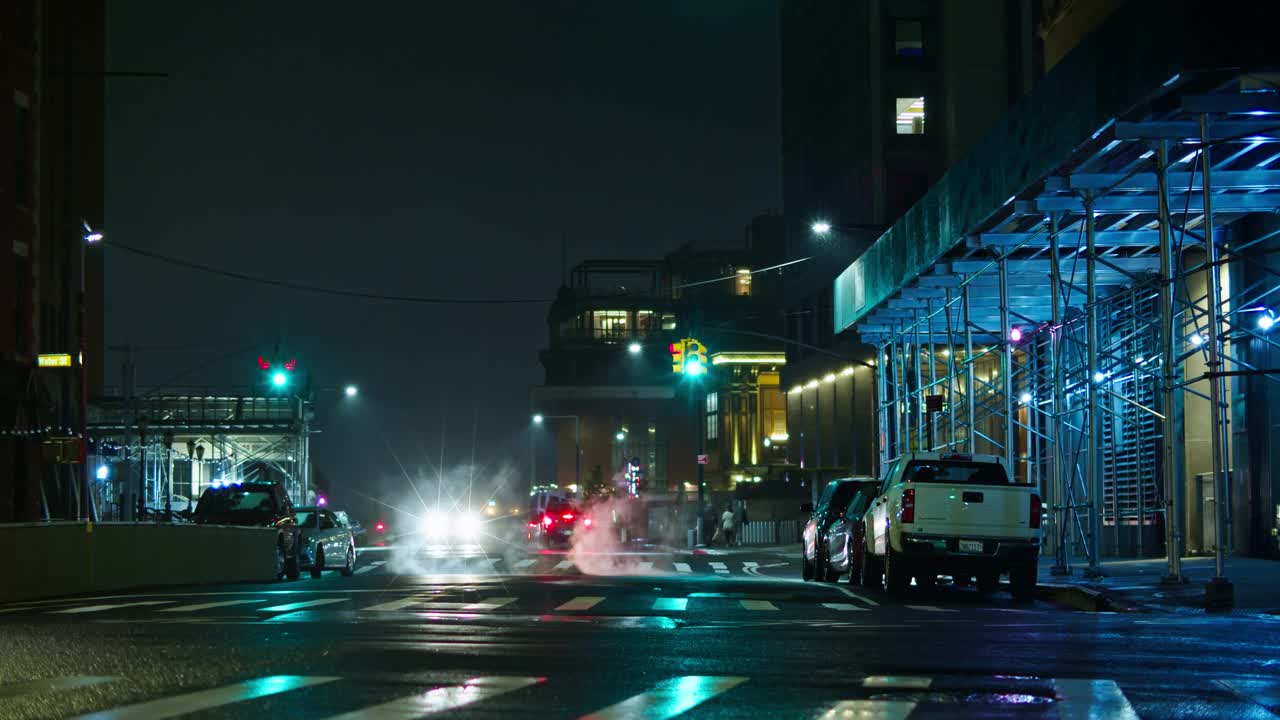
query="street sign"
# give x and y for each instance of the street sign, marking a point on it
(933, 403)
(54, 360)
(702, 459)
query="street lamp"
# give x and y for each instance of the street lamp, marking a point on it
(820, 227)
(351, 391)
(620, 436)
(89, 237)
(538, 419)
(634, 348)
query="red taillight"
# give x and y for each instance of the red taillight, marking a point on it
(586, 521)
(379, 527)
(567, 516)
(547, 520)
(1036, 510)
(909, 505)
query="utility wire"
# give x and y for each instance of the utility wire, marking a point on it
(318, 289)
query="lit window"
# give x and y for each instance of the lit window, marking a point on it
(713, 416)
(742, 287)
(610, 324)
(908, 38)
(668, 321)
(910, 115)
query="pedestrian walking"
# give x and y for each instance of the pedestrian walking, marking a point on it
(726, 524)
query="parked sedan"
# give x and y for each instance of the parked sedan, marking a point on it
(358, 533)
(847, 534)
(326, 542)
(831, 505)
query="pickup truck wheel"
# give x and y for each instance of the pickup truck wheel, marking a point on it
(279, 561)
(350, 568)
(317, 567)
(806, 569)
(896, 573)
(1022, 582)
(871, 571)
(988, 581)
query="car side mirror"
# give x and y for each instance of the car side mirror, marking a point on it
(806, 507)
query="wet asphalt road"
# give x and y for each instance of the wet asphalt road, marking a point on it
(733, 636)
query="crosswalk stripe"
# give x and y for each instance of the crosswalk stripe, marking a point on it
(394, 605)
(210, 605)
(113, 606)
(645, 565)
(1262, 692)
(757, 605)
(365, 569)
(671, 604)
(525, 563)
(440, 699)
(842, 606)
(1087, 699)
(897, 682)
(290, 607)
(492, 603)
(32, 687)
(870, 710)
(376, 563)
(564, 564)
(206, 699)
(930, 608)
(683, 567)
(584, 602)
(719, 567)
(668, 699)
(747, 564)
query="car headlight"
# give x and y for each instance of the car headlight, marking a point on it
(434, 525)
(469, 525)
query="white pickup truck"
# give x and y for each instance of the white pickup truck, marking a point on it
(952, 514)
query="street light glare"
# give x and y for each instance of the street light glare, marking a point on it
(820, 227)
(634, 348)
(279, 379)
(620, 436)
(537, 419)
(693, 367)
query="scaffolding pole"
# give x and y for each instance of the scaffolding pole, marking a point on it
(1061, 566)
(1219, 588)
(1093, 472)
(968, 363)
(1170, 376)
(1006, 364)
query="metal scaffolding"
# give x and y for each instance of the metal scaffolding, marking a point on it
(1072, 331)
(148, 451)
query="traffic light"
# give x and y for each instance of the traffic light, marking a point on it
(677, 356)
(695, 357)
(277, 376)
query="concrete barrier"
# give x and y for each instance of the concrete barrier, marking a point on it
(40, 560)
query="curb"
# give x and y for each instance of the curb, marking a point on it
(1080, 598)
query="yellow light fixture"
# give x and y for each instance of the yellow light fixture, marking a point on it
(829, 377)
(847, 371)
(812, 384)
(797, 389)
(745, 358)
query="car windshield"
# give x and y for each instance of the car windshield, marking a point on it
(228, 500)
(305, 518)
(843, 494)
(956, 472)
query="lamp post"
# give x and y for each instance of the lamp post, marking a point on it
(90, 237)
(538, 419)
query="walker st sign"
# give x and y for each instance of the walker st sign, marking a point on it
(57, 360)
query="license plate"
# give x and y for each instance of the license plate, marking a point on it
(970, 546)
(566, 532)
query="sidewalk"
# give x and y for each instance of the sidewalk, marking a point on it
(1137, 585)
(790, 551)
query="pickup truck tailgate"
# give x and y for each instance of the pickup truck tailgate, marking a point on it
(971, 510)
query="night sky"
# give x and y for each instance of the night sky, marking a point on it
(416, 148)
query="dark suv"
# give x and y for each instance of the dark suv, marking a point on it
(831, 507)
(255, 505)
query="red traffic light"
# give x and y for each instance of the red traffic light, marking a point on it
(263, 364)
(290, 364)
(379, 526)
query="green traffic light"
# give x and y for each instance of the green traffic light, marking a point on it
(279, 379)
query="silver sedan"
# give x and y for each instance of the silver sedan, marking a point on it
(327, 544)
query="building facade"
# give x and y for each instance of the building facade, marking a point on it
(618, 420)
(51, 187)
(879, 98)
